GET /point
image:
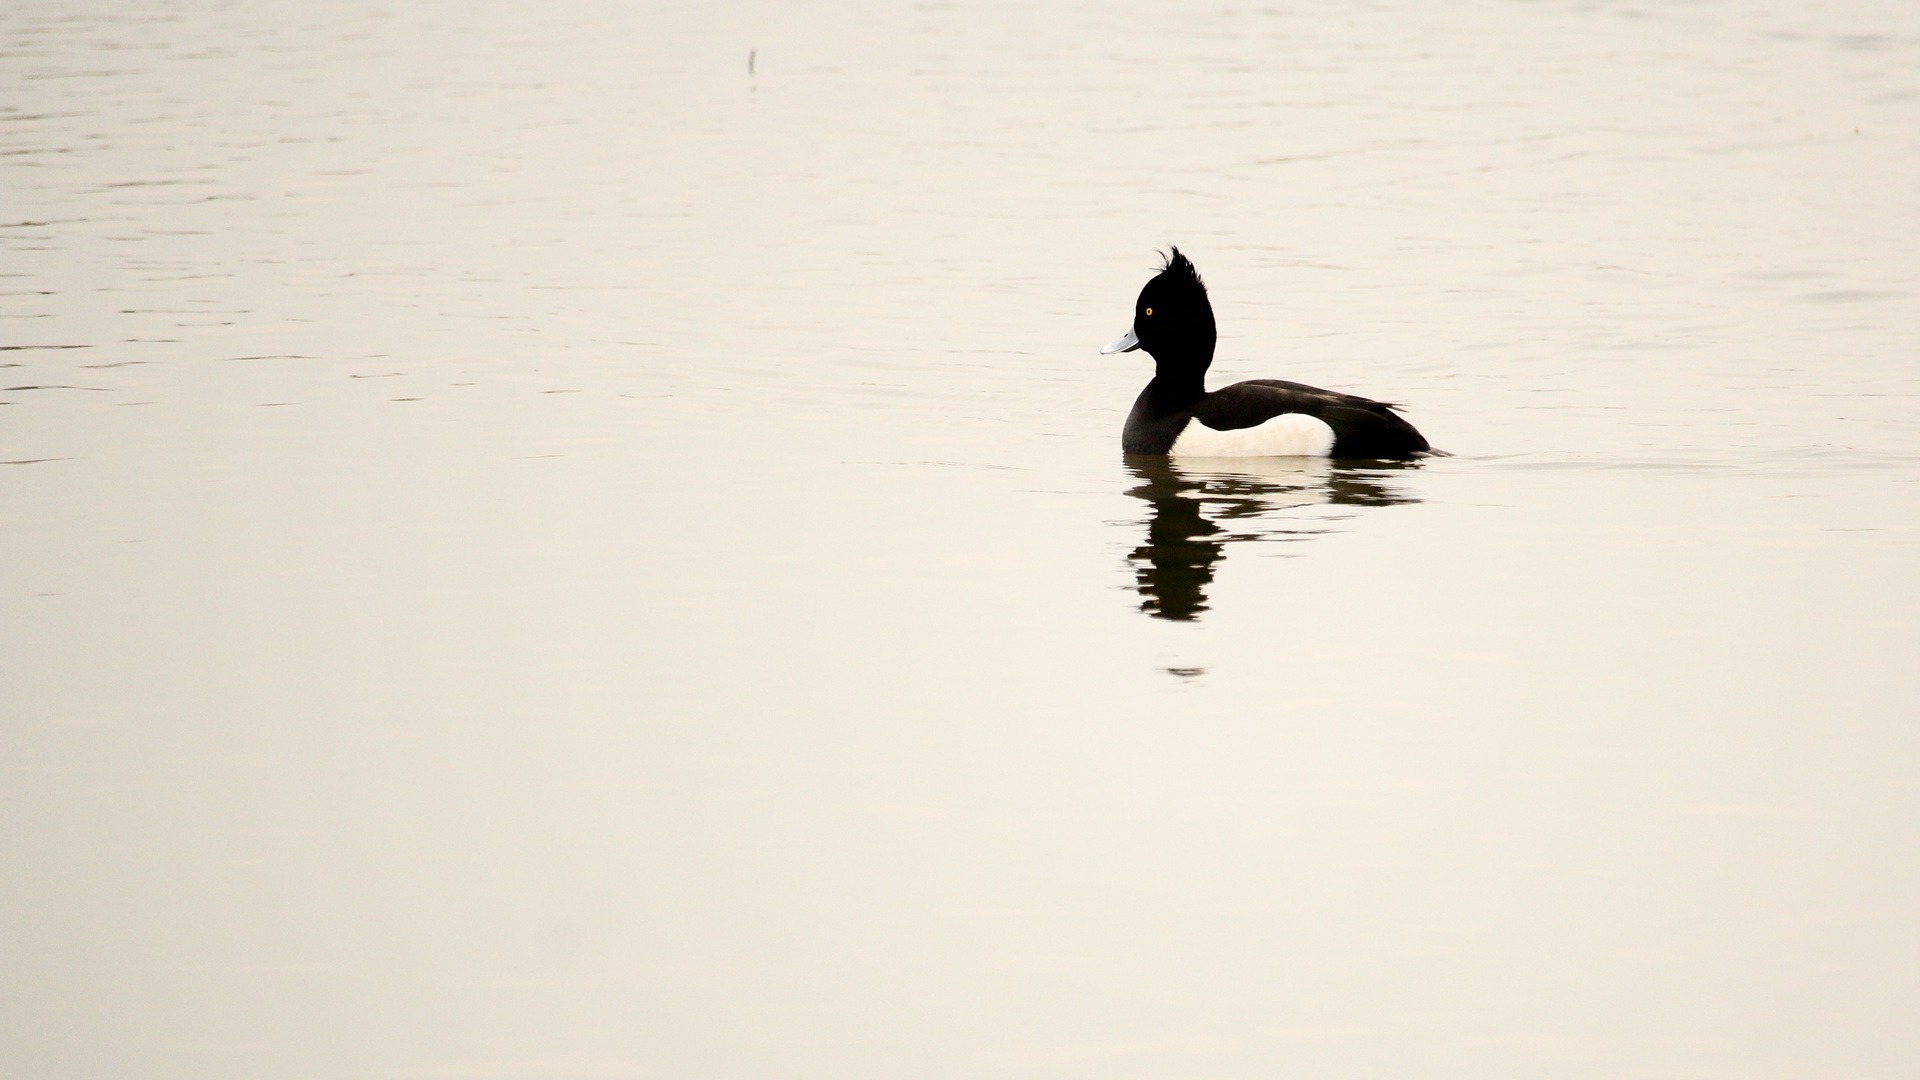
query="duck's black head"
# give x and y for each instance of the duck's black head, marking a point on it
(1172, 320)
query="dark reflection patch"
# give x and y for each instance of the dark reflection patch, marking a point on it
(1195, 511)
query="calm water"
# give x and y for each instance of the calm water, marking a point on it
(534, 550)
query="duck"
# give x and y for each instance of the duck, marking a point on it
(1175, 415)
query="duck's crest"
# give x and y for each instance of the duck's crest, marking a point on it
(1181, 270)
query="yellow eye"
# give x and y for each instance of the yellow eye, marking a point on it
(1149, 311)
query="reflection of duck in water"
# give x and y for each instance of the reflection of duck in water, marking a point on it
(1199, 509)
(1173, 321)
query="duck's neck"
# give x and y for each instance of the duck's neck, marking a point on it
(1179, 379)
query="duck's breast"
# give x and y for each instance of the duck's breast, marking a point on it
(1286, 435)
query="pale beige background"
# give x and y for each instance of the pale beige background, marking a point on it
(530, 552)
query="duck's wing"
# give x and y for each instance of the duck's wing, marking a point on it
(1362, 427)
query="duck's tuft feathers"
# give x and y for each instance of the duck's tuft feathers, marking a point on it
(1179, 270)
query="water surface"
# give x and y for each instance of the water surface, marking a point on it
(533, 549)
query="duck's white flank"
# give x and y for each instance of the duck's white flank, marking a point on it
(1286, 435)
